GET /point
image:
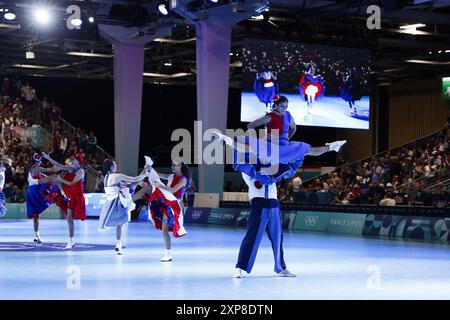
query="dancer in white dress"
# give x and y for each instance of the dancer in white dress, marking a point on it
(119, 190)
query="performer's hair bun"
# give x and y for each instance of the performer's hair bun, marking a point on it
(36, 158)
(108, 163)
(279, 99)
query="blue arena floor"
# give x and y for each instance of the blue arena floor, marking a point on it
(327, 266)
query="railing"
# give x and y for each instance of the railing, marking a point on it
(443, 183)
(91, 172)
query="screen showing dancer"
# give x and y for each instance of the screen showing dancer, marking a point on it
(327, 86)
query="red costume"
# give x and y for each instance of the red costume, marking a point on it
(75, 195)
(163, 203)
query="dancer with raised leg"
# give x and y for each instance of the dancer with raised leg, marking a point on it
(119, 189)
(165, 201)
(73, 206)
(311, 88)
(42, 192)
(277, 149)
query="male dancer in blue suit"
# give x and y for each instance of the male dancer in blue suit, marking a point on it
(265, 215)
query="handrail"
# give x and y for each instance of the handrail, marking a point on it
(444, 183)
(74, 130)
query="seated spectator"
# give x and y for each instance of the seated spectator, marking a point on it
(99, 182)
(388, 200)
(296, 183)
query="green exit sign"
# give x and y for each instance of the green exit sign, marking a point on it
(446, 88)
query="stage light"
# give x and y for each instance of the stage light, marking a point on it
(9, 15)
(91, 19)
(413, 26)
(215, 1)
(42, 16)
(29, 55)
(263, 7)
(168, 64)
(89, 54)
(163, 9)
(260, 17)
(76, 22)
(440, 51)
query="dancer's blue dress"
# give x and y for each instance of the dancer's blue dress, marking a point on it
(39, 196)
(277, 158)
(3, 210)
(349, 90)
(265, 87)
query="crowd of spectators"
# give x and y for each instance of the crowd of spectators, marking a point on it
(21, 108)
(400, 176)
(396, 177)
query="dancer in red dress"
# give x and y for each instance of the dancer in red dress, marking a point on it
(165, 201)
(73, 205)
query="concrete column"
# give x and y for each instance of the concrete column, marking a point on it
(213, 67)
(128, 83)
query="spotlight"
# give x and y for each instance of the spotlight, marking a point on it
(163, 9)
(9, 15)
(91, 19)
(76, 22)
(263, 7)
(215, 1)
(42, 16)
(29, 55)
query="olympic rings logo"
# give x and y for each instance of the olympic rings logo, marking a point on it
(196, 214)
(311, 220)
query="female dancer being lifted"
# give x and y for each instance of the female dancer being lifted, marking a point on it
(289, 157)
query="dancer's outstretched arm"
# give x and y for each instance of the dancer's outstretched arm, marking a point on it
(54, 162)
(127, 179)
(258, 122)
(178, 186)
(78, 177)
(164, 176)
(46, 179)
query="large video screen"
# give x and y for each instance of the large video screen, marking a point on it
(326, 86)
(446, 88)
